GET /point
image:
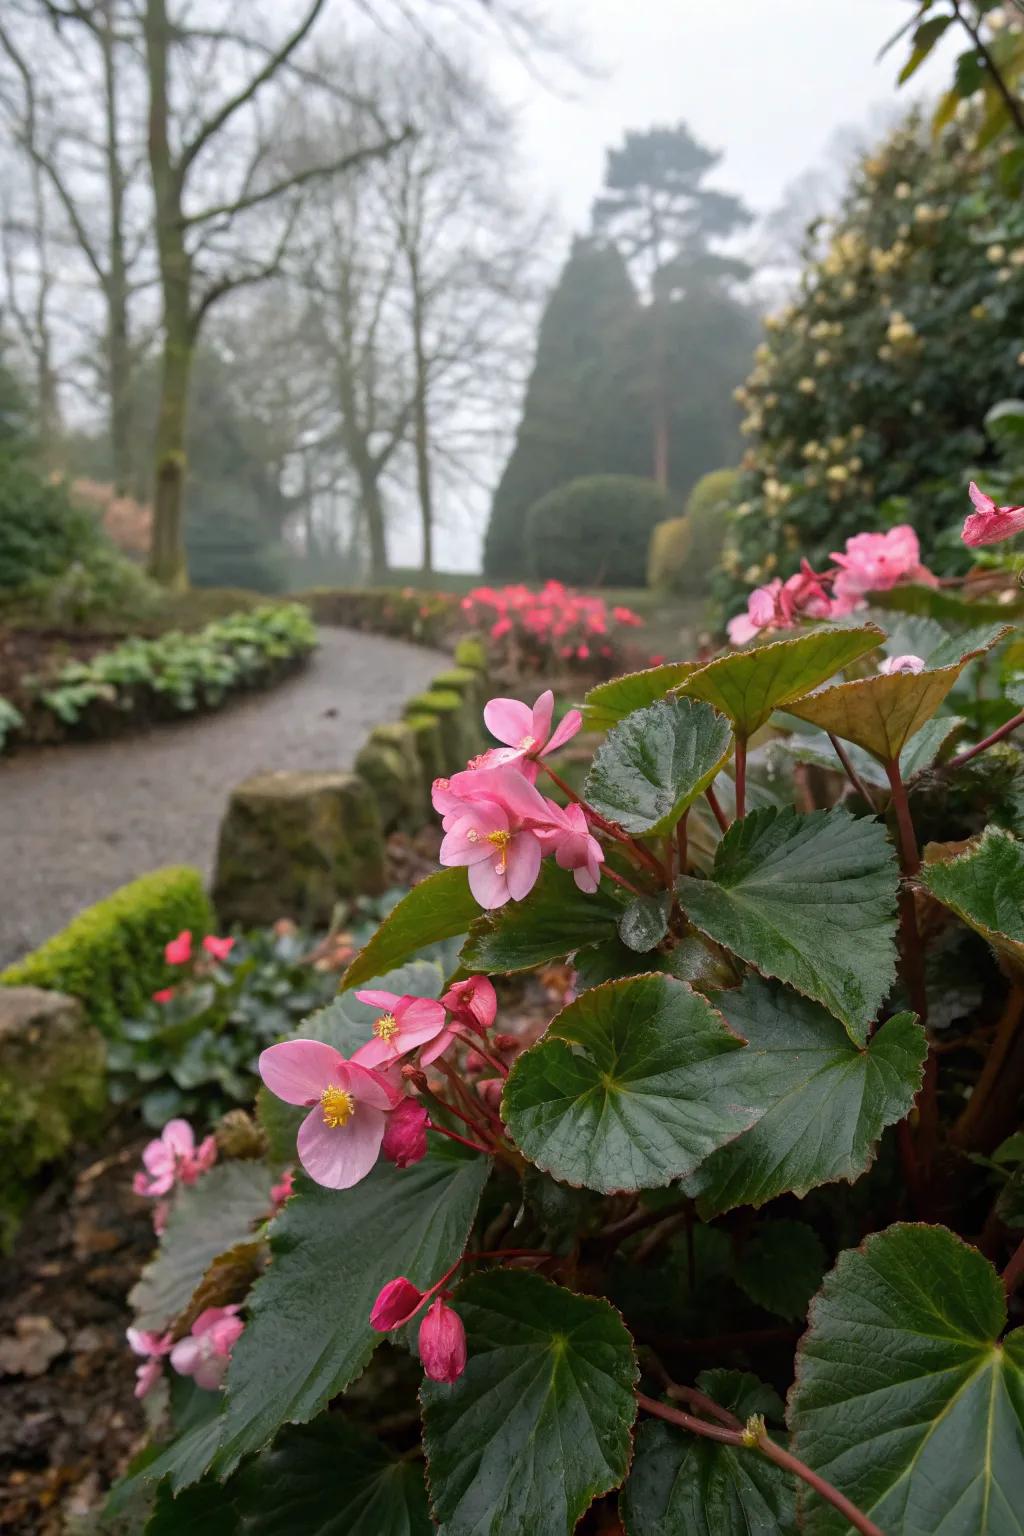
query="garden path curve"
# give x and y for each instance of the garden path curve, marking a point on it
(76, 821)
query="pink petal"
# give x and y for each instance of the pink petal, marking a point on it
(367, 1087)
(524, 856)
(586, 880)
(543, 713)
(436, 1047)
(209, 1373)
(387, 1002)
(416, 1014)
(298, 1071)
(741, 629)
(981, 501)
(185, 1355)
(488, 884)
(339, 1157)
(565, 730)
(177, 1135)
(373, 1053)
(508, 720)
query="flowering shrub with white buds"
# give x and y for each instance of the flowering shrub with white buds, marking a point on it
(769, 1146)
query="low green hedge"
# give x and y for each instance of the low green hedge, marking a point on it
(425, 617)
(112, 954)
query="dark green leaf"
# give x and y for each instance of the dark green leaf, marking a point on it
(809, 899)
(925, 38)
(645, 922)
(656, 762)
(985, 888)
(182, 1461)
(539, 1424)
(682, 1485)
(609, 703)
(781, 1267)
(826, 1101)
(206, 1219)
(941, 604)
(918, 754)
(623, 1091)
(326, 1479)
(748, 685)
(308, 1333)
(208, 1509)
(904, 1398)
(440, 907)
(556, 919)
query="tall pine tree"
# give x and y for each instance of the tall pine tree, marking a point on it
(582, 414)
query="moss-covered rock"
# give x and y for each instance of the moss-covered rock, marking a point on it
(292, 844)
(471, 651)
(461, 737)
(52, 1088)
(390, 764)
(426, 731)
(468, 683)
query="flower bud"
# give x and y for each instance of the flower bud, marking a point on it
(490, 1090)
(395, 1305)
(442, 1343)
(405, 1134)
(414, 1075)
(507, 1042)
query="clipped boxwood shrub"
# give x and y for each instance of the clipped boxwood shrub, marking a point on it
(112, 954)
(595, 531)
(42, 531)
(668, 554)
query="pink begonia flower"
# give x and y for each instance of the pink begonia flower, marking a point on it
(396, 1303)
(179, 950)
(781, 603)
(340, 1139)
(990, 523)
(894, 664)
(173, 1158)
(496, 837)
(442, 1343)
(153, 1347)
(570, 839)
(405, 1134)
(205, 1353)
(760, 613)
(628, 617)
(473, 1002)
(283, 1189)
(874, 562)
(164, 995)
(218, 948)
(526, 733)
(405, 1024)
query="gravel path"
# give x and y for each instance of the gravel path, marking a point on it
(77, 821)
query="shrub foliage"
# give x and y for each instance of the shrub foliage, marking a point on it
(595, 531)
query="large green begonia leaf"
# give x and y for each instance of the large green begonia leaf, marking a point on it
(749, 685)
(984, 886)
(609, 703)
(808, 899)
(919, 753)
(556, 919)
(882, 713)
(683, 1485)
(905, 1398)
(625, 1090)
(539, 1423)
(825, 1101)
(655, 764)
(441, 907)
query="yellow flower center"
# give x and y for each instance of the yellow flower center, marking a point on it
(337, 1105)
(386, 1026)
(527, 743)
(501, 841)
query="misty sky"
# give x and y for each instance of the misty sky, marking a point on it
(767, 82)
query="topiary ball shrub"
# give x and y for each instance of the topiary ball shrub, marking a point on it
(594, 532)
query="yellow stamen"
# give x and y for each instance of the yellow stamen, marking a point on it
(338, 1107)
(501, 841)
(385, 1026)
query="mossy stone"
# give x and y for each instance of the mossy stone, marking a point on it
(471, 651)
(52, 1088)
(460, 738)
(426, 731)
(390, 764)
(293, 844)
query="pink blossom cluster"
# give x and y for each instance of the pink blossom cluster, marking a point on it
(173, 1158)
(498, 824)
(202, 1354)
(871, 562)
(551, 621)
(989, 523)
(359, 1109)
(179, 951)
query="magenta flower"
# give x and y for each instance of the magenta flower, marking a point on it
(173, 1158)
(179, 950)
(473, 1002)
(442, 1343)
(526, 732)
(152, 1347)
(205, 1352)
(874, 562)
(569, 838)
(339, 1140)
(894, 664)
(397, 1302)
(990, 523)
(405, 1134)
(163, 995)
(405, 1024)
(218, 948)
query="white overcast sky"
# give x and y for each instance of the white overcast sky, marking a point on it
(767, 82)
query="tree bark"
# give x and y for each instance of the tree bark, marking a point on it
(421, 419)
(118, 348)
